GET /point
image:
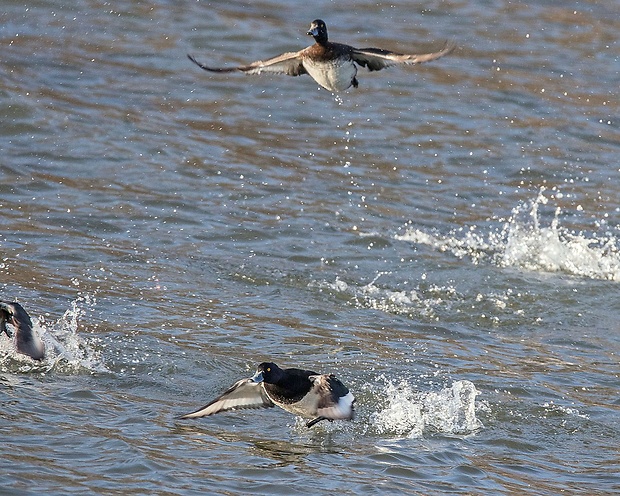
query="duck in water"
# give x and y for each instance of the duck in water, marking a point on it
(301, 392)
(14, 320)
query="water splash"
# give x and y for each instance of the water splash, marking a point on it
(65, 350)
(525, 243)
(412, 413)
(356, 195)
(422, 302)
(552, 409)
(530, 246)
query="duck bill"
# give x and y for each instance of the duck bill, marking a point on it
(258, 377)
(313, 31)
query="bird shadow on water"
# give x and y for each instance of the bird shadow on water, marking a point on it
(292, 447)
(284, 453)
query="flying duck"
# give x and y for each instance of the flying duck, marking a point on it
(301, 392)
(332, 65)
(27, 341)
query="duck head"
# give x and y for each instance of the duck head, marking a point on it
(267, 372)
(318, 30)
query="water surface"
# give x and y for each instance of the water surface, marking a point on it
(444, 238)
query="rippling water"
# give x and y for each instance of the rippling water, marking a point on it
(445, 238)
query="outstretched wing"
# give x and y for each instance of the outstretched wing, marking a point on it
(242, 394)
(289, 63)
(376, 58)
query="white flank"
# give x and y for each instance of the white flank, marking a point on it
(341, 410)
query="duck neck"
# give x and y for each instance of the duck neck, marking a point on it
(321, 39)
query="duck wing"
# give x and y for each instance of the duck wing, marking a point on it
(377, 58)
(289, 63)
(241, 395)
(334, 399)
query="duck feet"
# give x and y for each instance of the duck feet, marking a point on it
(317, 420)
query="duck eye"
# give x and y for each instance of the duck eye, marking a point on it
(268, 369)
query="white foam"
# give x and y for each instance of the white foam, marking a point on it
(69, 350)
(553, 408)
(409, 412)
(404, 302)
(525, 243)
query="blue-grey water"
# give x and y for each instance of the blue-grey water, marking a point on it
(445, 238)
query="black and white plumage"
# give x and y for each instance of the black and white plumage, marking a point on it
(301, 392)
(27, 341)
(332, 65)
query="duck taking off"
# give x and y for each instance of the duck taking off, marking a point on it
(301, 392)
(332, 65)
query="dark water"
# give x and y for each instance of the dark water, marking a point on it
(445, 238)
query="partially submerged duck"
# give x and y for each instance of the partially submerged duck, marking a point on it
(301, 392)
(15, 321)
(332, 65)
